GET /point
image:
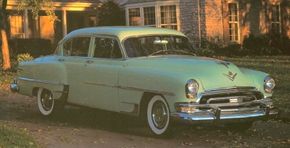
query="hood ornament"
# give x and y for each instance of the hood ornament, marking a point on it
(231, 75)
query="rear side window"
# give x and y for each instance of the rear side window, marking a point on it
(107, 48)
(78, 46)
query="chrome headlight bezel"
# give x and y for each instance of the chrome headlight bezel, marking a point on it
(191, 89)
(269, 84)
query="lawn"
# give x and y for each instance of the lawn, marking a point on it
(13, 138)
(279, 68)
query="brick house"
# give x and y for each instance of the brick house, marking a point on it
(219, 21)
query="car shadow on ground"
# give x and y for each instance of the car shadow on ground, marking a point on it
(82, 117)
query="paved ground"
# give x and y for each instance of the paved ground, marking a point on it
(81, 127)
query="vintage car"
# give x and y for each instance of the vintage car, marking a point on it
(144, 71)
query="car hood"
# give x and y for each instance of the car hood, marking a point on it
(211, 73)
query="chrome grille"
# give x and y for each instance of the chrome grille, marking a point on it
(231, 99)
(230, 95)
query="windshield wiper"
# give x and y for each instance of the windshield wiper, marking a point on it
(172, 51)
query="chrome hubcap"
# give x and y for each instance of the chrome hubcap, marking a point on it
(159, 114)
(46, 100)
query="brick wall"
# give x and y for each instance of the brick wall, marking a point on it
(214, 21)
(212, 17)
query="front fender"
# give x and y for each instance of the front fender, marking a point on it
(257, 77)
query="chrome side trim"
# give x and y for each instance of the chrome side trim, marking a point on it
(131, 88)
(39, 81)
(147, 90)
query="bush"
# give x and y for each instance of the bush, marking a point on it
(230, 50)
(24, 57)
(111, 14)
(266, 44)
(35, 47)
(205, 52)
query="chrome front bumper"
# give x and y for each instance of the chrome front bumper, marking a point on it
(264, 108)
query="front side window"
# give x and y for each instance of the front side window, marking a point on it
(134, 17)
(233, 22)
(276, 19)
(168, 17)
(78, 46)
(107, 48)
(153, 45)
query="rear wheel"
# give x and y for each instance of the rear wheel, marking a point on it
(158, 115)
(45, 102)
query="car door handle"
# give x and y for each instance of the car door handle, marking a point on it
(60, 60)
(89, 61)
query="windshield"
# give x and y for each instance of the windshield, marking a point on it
(153, 45)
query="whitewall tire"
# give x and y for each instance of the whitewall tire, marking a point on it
(158, 115)
(45, 102)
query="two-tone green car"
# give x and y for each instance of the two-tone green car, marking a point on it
(144, 71)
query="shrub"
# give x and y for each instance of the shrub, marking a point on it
(35, 47)
(205, 52)
(266, 44)
(24, 57)
(111, 14)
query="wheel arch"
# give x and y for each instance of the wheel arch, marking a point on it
(146, 98)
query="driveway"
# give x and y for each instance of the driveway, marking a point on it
(82, 127)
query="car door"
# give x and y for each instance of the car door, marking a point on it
(102, 74)
(76, 53)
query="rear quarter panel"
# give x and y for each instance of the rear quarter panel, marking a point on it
(44, 72)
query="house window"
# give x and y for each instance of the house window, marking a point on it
(168, 17)
(233, 22)
(276, 19)
(134, 17)
(149, 16)
(16, 26)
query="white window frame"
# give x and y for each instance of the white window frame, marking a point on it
(157, 6)
(150, 25)
(276, 22)
(234, 22)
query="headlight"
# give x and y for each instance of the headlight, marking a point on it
(269, 84)
(191, 89)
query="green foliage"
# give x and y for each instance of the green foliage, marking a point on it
(205, 52)
(111, 14)
(264, 45)
(37, 5)
(24, 57)
(267, 44)
(13, 138)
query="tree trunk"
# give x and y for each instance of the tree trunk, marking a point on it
(5, 51)
(5, 48)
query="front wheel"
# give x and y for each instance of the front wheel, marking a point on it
(158, 115)
(45, 102)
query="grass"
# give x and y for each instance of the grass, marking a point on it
(15, 138)
(279, 68)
